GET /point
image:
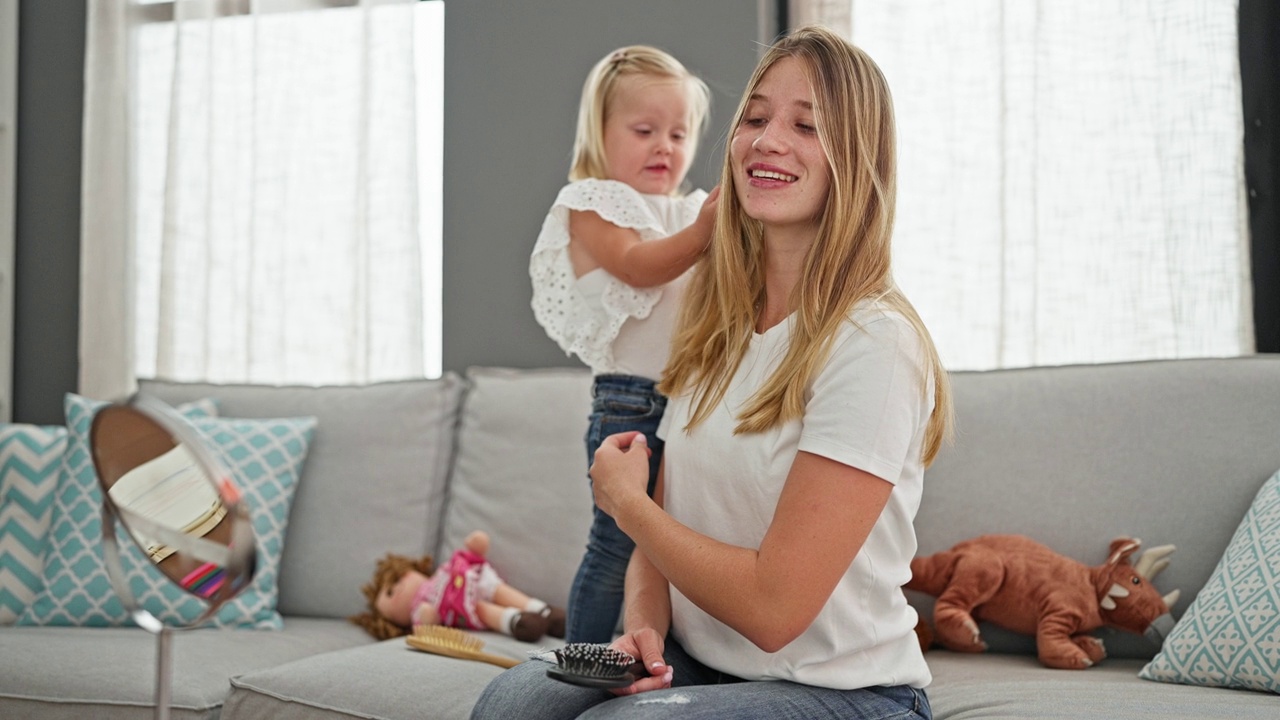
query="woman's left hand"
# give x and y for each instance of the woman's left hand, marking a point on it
(620, 472)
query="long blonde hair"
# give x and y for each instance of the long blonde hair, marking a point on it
(848, 262)
(600, 89)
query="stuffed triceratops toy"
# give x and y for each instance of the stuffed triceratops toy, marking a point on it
(1019, 584)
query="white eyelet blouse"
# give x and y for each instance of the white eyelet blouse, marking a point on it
(584, 315)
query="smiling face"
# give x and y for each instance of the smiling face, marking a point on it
(780, 170)
(647, 141)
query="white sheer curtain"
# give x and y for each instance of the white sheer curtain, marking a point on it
(251, 193)
(1071, 174)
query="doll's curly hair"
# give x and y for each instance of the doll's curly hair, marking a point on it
(388, 572)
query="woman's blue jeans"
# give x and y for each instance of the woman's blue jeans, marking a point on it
(696, 691)
(619, 403)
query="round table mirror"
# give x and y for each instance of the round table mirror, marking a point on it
(177, 505)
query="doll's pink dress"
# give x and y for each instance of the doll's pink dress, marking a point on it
(455, 588)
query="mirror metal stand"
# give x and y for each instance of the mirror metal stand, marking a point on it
(144, 619)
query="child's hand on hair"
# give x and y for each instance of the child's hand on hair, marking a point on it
(707, 214)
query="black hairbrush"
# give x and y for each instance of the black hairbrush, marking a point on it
(595, 666)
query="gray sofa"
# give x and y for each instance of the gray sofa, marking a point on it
(1170, 452)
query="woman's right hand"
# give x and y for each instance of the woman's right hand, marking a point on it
(620, 471)
(646, 645)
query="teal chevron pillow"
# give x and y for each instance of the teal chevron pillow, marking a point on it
(264, 456)
(30, 457)
(1230, 636)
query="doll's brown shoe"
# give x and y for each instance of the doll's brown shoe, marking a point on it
(528, 626)
(555, 621)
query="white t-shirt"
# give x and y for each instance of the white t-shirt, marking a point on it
(611, 326)
(868, 407)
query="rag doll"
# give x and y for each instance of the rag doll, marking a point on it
(466, 592)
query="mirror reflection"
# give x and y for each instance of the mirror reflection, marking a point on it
(169, 491)
(171, 502)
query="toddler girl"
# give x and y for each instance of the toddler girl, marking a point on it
(609, 267)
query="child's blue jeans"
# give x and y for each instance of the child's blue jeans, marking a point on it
(619, 403)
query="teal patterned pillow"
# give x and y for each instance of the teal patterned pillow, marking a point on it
(30, 458)
(1230, 636)
(264, 456)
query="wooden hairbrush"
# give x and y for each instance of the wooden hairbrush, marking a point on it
(454, 643)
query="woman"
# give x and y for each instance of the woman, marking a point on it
(806, 400)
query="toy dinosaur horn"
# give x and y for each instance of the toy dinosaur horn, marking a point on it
(1116, 591)
(1153, 561)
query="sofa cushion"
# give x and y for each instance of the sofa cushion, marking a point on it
(993, 685)
(30, 461)
(386, 681)
(374, 481)
(264, 457)
(1230, 636)
(1170, 452)
(112, 670)
(521, 475)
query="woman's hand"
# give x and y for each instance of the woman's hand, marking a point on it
(620, 473)
(646, 646)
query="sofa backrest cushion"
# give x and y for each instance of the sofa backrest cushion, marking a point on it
(1170, 452)
(374, 479)
(521, 475)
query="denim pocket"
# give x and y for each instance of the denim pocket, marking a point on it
(613, 414)
(922, 707)
(626, 404)
(624, 407)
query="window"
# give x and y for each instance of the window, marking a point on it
(1070, 175)
(287, 191)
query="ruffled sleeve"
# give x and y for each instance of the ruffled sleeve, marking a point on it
(578, 327)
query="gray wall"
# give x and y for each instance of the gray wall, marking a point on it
(514, 71)
(47, 208)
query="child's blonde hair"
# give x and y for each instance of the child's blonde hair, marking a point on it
(849, 260)
(600, 89)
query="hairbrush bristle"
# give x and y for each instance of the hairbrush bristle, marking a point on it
(448, 636)
(595, 665)
(455, 643)
(590, 658)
